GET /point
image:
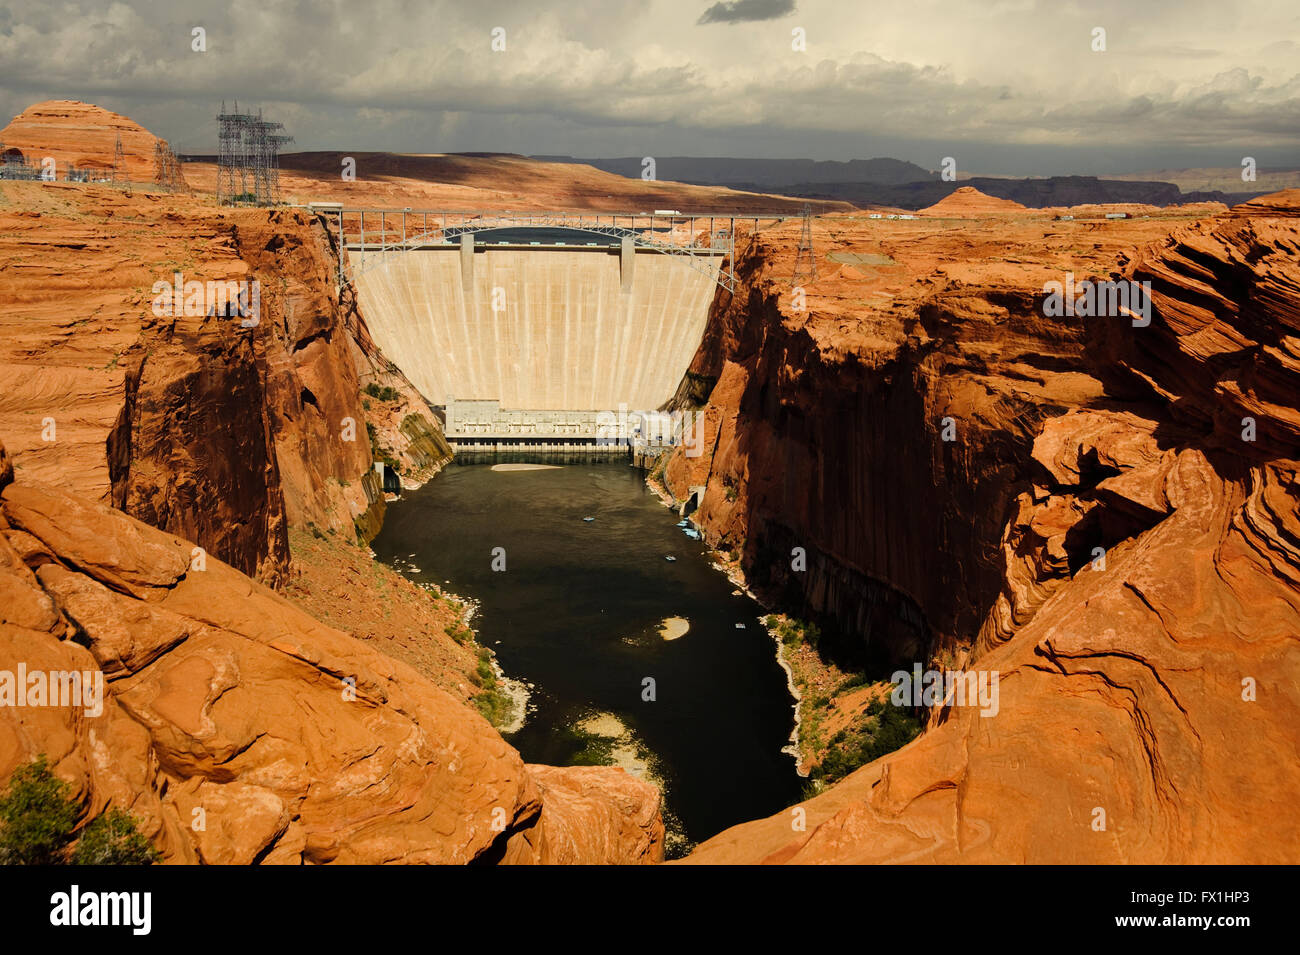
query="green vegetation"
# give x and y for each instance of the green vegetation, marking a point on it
(886, 728)
(656, 476)
(385, 393)
(794, 632)
(589, 749)
(824, 688)
(494, 703)
(112, 839)
(483, 675)
(380, 453)
(38, 817)
(458, 632)
(495, 707)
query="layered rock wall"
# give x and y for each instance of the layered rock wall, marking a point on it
(184, 417)
(1133, 545)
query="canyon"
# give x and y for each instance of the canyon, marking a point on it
(1111, 526)
(173, 459)
(1103, 515)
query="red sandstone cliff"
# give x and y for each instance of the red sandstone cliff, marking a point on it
(1158, 686)
(223, 434)
(242, 438)
(237, 729)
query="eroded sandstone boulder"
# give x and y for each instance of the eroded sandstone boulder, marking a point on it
(237, 729)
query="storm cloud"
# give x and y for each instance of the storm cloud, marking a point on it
(1004, 86)
(747, 11)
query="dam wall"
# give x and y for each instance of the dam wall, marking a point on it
(555, 328)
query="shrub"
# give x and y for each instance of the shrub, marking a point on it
(496, 707)
(793, 632)
(888, 728)
(386, 393)
(853, 682)
(38, 815)
(812, 634)
(112, 839)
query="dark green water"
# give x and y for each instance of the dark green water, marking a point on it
(577, 612)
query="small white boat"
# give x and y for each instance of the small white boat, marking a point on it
(588, 519)
(740, 626)
(669, 557)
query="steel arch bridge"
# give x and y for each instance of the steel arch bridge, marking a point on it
(367, 237)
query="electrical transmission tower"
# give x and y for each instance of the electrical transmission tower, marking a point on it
(248, 157)
(230, 164)
(167, 168)
(805, 262)
(119, 161)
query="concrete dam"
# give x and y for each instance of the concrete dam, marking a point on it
(525, 342)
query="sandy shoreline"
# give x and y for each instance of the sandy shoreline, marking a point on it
(792, 748)
(517, 692)
(625, 749)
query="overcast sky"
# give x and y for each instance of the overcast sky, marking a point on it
(1004, 86)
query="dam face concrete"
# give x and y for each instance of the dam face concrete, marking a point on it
(555, 328)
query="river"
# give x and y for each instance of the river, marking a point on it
(580, 613)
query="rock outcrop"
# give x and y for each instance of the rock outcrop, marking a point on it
(238, 730)
(182, 416)
(1112, 529)
(80, 134)
(235, 726)
(967, 201)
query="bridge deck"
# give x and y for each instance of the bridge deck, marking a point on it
(401, 230)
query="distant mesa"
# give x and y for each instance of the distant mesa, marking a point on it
(759, 174)
(967, 200)
(81, 134)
